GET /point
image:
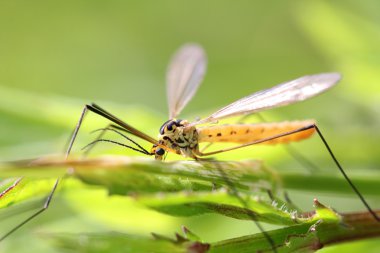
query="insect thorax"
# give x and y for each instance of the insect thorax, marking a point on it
(175, 135)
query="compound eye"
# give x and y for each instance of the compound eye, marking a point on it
(162, 128)
(160, 151)
(172, 125)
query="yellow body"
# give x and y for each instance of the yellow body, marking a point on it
(245, 133)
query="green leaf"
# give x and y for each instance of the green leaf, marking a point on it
(19, 190)
(307, 237)
(116, 242)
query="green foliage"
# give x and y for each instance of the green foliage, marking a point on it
(191, 189)
(117, 51)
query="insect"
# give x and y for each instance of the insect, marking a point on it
(182, 137)
(184, 75)
(178, 136)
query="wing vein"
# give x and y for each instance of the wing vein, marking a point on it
(283, 94)
(184, 75)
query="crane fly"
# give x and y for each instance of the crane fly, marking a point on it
(184, 75)
(178, 136)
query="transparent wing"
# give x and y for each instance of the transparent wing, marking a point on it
(185, 73)
(280, 95)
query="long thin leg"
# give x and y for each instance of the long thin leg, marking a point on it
(96, 109)
(145, 152)
(208, 145)
(101, 112)
(101, 134)
(346, 177)
(298, 156)
(377, 218)
(256, 142)
(75, 133)
(113, 128)
(45, 206)
(303, 160)
(240, 121)
(252, 215)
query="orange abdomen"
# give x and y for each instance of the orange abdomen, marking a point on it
(245, 133)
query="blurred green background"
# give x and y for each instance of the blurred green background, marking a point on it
(57, 56)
